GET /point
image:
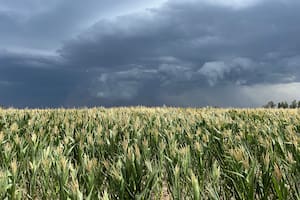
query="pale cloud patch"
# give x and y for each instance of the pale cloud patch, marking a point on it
(215, 71)
(236, 95)
(262, 93)
(236, 4)
(122, 85)
(5, 83)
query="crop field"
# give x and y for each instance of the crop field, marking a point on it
(150, 153)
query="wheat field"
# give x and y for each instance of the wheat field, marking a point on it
(150, 153)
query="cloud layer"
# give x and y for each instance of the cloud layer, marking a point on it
(183, 53)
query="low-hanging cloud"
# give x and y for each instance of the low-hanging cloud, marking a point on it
(208, 45)
(216, 71)
(180, 53)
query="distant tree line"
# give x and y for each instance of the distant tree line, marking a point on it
(283, 104)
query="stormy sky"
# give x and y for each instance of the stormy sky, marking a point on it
(74, 53)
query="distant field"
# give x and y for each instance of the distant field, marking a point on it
(150, 153)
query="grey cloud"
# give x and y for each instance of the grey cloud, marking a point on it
(190, 45)
(44, 25)
(10, 59)
(190, 32)
(139, 82)
(235, 95)
(38, 81)
(218, 70)
(121, 85)
(292, 62)
(180, 53)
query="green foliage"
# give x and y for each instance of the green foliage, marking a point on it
(150, 153)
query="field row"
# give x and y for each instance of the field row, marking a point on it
(150, 153)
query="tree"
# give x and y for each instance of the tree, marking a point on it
(298, 104)
(293, 104)
(285, 104)
(270, 104)
(282, 104)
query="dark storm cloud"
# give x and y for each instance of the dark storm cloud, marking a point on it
(45, 24)
(192, 32)
(185, 53)
(37, 81)
(184, 46)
